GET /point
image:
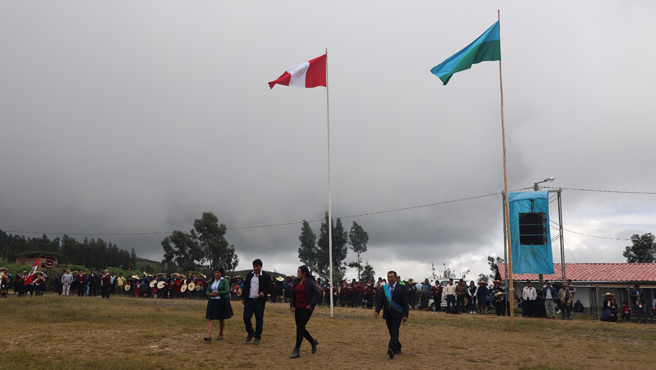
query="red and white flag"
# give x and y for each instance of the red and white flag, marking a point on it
(308, 74)
(31, 275)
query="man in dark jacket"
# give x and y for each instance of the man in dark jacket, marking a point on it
(395, 305)
(639, 303)
(253, 296)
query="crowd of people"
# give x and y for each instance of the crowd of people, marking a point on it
(459, 297)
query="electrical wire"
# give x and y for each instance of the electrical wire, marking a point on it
(357, 215)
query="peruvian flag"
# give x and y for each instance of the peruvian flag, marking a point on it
(31, 275)
(308, 74)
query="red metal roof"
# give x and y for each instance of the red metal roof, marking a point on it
(618, 272)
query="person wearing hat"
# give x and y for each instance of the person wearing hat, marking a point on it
(565, 297)
(550, 297)
(499, 297)
(218, 306)
(607, 306)
(529, 295)
(304, 298)
(639, 303)
(4, 284)
(483, 297)
(396, 307)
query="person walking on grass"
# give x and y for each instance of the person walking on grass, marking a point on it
(394, 303)
(550, 297)
(253, 297)
(218, 304)
(305, 296)
(565, 297)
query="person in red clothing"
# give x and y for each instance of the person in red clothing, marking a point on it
(626, 312)
(81, 283)
(437, 295)
(105, 281)
(304, 298)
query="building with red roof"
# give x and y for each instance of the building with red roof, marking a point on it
(591, 280)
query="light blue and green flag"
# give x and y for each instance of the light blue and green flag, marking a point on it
(485, 48)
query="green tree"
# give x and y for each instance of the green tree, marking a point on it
(483, 277)
(494, 265)
(133, 259)
(643, 249)
(183, 249)
(211, 237)
(368, 272)
(340, 239)
(308, 251)
(358, 239)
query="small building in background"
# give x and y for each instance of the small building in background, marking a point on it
(48, 259)
(592, 280)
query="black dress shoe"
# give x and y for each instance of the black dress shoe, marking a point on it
(296, 353)
(256, 342)
(314, 345)
(390, 352)
(220, 337)
(249, 337)
(208, 339)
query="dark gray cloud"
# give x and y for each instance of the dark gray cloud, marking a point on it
(138, 120)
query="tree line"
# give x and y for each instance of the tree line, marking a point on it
(315, 253)
(203, 246)
(94, 253)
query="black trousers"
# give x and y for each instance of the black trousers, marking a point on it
(81, 289)
(460, 303)
(104, 291)
(424, 301)
(527, 309)
(254, 307)
(393, 325)
(302, 316)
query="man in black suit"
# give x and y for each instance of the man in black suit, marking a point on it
(253, 297)
(394, 302)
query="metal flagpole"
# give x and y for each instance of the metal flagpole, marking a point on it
(330, 213)
(511, 290)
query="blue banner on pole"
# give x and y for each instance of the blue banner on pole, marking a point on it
(529, 232)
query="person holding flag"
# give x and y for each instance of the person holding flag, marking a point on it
(395, 305)
(30, 277)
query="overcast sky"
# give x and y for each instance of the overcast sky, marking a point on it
(136, 117)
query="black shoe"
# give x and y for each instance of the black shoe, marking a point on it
(208, 339)
(390, 353)
(314, 346)
(256, 342)
(249, 337)
(296, 353)
(220, 337)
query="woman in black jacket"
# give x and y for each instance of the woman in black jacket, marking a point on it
(304, 297)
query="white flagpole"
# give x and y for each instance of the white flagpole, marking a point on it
(330, 213)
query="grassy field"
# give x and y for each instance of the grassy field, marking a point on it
(52, 332)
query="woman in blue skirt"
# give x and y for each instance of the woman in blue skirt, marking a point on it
(218, 304)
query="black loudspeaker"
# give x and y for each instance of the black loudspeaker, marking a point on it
(533, 228)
